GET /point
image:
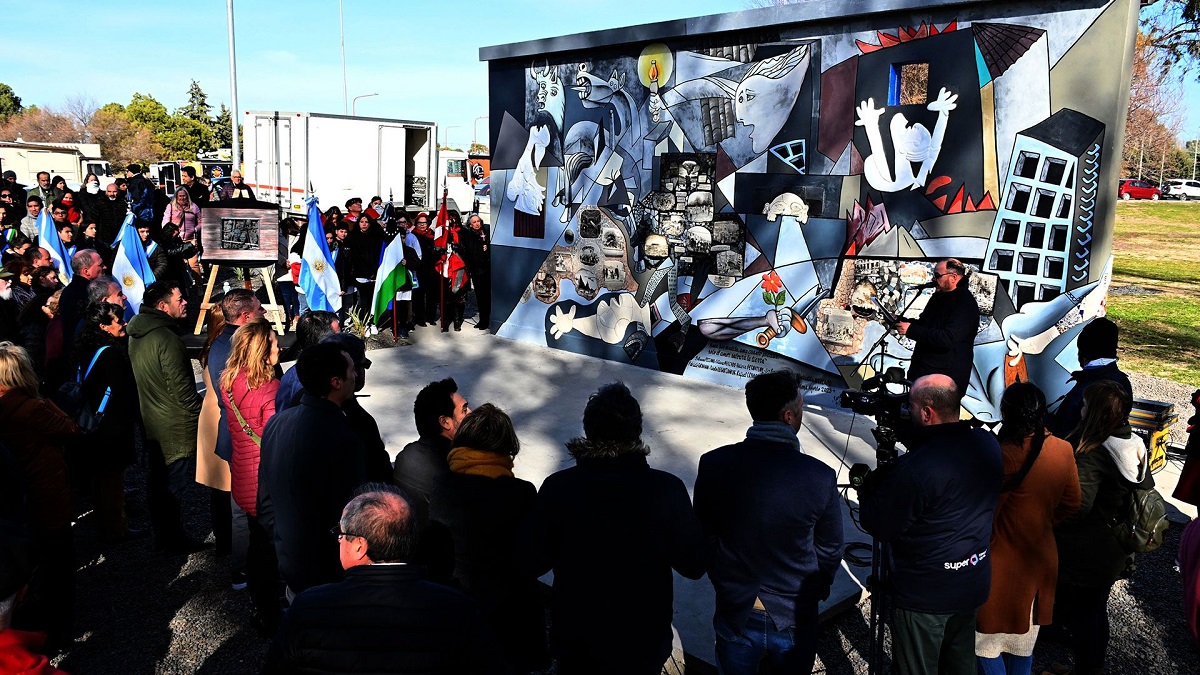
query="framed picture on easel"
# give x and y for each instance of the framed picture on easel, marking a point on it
(240, 236)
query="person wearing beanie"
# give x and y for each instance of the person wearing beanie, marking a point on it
(1097, 345)
(612, 529)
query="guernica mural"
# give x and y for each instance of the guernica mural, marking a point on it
(717, 204)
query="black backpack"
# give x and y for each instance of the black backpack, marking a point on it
(70, 399)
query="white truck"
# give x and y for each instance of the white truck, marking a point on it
(72, 161)
(287, 154)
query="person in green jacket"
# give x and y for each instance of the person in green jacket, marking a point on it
(170, 409)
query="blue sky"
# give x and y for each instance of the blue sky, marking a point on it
(420, 56)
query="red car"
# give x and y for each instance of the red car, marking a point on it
(1130, 188)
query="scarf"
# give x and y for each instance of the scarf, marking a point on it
(773, 432)
(479, 463)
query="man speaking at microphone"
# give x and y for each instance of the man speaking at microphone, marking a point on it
(945, 332)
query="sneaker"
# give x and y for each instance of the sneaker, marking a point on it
(238, 581)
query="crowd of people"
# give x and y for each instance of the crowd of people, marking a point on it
(430, 563)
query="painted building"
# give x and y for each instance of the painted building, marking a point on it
(731, 194)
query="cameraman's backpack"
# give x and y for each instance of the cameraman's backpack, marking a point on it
(1142, 526)
(71, 401)
(141, 200)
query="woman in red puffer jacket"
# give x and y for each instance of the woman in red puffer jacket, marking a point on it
(248, 387)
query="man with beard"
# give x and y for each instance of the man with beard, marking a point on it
(110, 214)
(9, 330)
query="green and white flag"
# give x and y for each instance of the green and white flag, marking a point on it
(391, 277)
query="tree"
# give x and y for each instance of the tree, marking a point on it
(122, 142)
(183, 138)
(41, 125)
(80, 108)
(1172, 28)
(1153, 119)
(222, 128)
(197, 107)
(10, 103)
(145, 111)
(478, 149)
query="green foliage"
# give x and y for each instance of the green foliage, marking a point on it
(222, 128)
(197, 107)
(182, 138)
(10, 103)
(145, 111)
(777, 299)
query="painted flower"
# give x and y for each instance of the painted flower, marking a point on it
(772, 282)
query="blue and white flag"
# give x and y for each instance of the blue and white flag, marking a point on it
(318, 277)
(48, 239)
(131, 268)
(125, 224)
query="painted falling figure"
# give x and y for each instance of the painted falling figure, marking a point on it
(912, 143)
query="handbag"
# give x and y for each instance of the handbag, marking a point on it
(242, 421)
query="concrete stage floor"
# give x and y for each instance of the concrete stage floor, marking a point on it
(544, 390)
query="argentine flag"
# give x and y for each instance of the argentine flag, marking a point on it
(318, 278)
(48, 239)
(131, 268)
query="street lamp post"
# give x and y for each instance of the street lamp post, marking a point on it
(475, 129)
(354, 103)
(235, 115)
(342, 31)
(446, 134)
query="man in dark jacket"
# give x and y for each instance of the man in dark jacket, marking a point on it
(777, 517)
(86, 265)
(477, 255)
(110, 212)
(170, 409)
(384, 616)
(140, 193)
(376, 462)
(934, 506)
(197, 191)
(10, 330)
(1097, 345)
(612, 529)
(438, 411)
(945, 333)
(311, 464)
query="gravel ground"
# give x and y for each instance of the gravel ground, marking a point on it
(139, 611)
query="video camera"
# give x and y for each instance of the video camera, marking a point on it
(893, 419)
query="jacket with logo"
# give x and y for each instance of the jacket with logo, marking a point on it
(934, 505)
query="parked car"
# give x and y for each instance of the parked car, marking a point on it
(1131, 188)
(1182, 189)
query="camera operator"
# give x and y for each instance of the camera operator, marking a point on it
(945, 332)
(934, 506)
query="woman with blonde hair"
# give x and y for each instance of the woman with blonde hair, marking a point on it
(248, 387)
(1112, 461)
(183, 213)
(34, 431)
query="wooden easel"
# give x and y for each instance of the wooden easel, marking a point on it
(274, 311)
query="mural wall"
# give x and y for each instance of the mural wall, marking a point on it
(720, 205)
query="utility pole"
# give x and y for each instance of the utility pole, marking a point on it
(342, 30)
(235, 114)
(1195, 146)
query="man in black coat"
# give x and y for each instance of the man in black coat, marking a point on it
(1097, 345)
(934, 505)
(777, 518)
(110, 213)
(612, 529)
(86, 265)
(376, 462)
(945, 333)
(438, 411)
(477, 255)
(10, 330)
(311, 464)
(384, 616)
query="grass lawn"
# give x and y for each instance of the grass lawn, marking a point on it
(1157, 247)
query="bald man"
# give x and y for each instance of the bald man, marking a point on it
(945, 333)
(934, 506)
(236, 189)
